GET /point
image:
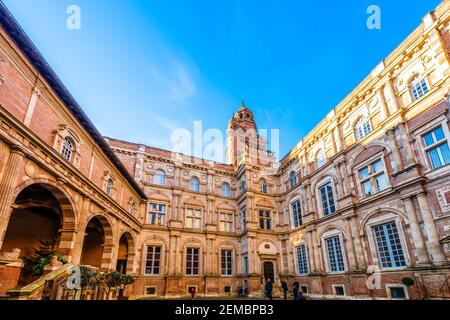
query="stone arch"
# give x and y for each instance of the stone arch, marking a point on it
(322, 177)
(362, 148)
(331, 228)
(379, 210)
(98, 231)
(125, 260)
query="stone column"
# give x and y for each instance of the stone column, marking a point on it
(345, 185)
(360, 258)
(349, 245)
(383, 106)
(316, 248)
(436, 250)
(340, 185)
(421, 251)
(410, 156)
(337, 138)
(310, 250)
(395, 150)
(7, 186)
(392, 94)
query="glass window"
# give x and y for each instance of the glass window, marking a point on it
(302, 261)
(194, 218)
(292, 179)
(67, 149)
(156, 214)
(297, 214)
(227, 262)
(109, 187)
(192, 261)
(321, 159)
(194, 185)
(226, 190)
(437, 148)
(327, 199)
(398, 293)
(335, 257)
(373, 179)
(389, 247)
(362, 128)
(265, 219)
(419, 87)
(263, 186)
(153, 260)
(159, 178)
(226, 222)
(246, 269)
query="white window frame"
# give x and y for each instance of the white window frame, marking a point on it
(161, 259)
(228, 214)
(68, 152)
(195, 184)
(292, 179)
(331, 234)
(297, 266)
(323, 183)
(386, 218)
(388, 287)
(297, 199)
(418, 79)
(232, 260)
(435, 145)
(423, 130)
(159, 178)
(263, 187)
(225, 189)
(369, 162)
(159, 213)
(338, 285)
(194, 218)
(360, 128)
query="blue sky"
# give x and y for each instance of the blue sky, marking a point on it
(142, 68)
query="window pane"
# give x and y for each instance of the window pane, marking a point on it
(439, 134)
(364, 173)
(368, 189)
(335, 257)
(389, 247)
(428, 139)
(445, 151)
(301, 260)
(434, 158)
(377, 166)
(381, 182)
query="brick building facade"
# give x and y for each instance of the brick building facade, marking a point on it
(361, 203)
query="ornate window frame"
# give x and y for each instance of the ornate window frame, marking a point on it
(64, 132)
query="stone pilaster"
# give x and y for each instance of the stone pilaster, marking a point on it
(360, 258)
(8, 185)
(349, 245)
(421, 251)
(436, 250)
(398, 161)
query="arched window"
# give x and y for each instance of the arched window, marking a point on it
(292, 179)
(133, 208)
(263, 186)
(419, 87)
(109, 187)
(68, 148)
(159, 178)
(321, 159)
(226, 190)
(362, 128)
(194, 185)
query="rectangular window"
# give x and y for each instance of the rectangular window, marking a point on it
(397, 293)
(389, 247)
(335, 257)
(265, 220)
(227, 262)
(419, 88)
(339, 290)
(327, 199)
(297, 214)
(194, 218)
(302, 261)
(373, 179)
(192, 261)
(156, 214)
(437, 148)
(226, 222)
(153, 260)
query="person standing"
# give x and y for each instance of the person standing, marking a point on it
(193, 293)
(285, 288)
(269, 289)
(296, 290)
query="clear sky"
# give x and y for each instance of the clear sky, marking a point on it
(142, 68)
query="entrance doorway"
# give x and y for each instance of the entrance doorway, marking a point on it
(269, 271)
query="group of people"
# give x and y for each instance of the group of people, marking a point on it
(297, 294)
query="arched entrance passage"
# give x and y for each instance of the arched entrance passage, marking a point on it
(125, 255)
(42, 214)
(98, 244)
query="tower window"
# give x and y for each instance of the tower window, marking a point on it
(67, 149)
